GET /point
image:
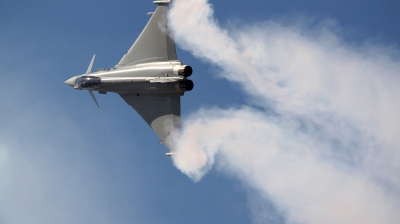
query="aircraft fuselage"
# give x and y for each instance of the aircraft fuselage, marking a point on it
(149, 78)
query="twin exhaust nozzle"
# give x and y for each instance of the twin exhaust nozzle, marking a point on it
(183, 70)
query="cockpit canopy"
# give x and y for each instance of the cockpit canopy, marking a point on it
(87, 82)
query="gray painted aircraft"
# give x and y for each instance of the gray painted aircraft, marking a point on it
(149, 78)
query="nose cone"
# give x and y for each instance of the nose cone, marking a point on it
(71, 81)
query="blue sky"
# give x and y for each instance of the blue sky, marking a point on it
(63, 160)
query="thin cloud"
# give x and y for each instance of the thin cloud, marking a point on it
(323, 147)
(47, 173)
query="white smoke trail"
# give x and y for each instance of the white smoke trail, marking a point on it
(324, 148)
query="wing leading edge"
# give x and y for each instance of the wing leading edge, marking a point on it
(154, 43)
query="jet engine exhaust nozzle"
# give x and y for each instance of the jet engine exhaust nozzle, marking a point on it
(186, 85)
(184, 70)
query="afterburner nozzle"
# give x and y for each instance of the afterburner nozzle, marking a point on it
(184, 86)
(183, 70)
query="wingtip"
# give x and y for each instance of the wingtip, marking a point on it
(162, 2)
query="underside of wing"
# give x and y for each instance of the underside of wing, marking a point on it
(161, 112)
(154, 43)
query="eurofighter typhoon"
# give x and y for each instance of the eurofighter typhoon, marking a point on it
(150, 78)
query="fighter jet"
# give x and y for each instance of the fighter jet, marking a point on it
(149, 78)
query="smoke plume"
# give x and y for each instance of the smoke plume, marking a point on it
(319, 138)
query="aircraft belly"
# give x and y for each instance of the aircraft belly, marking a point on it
(142, 88)
(151, 70)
